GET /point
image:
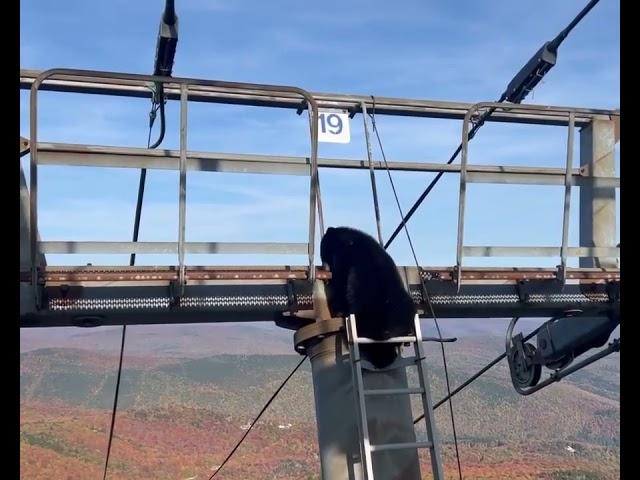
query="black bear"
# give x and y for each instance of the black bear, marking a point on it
(365, 282)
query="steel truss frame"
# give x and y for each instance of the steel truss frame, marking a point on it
(137, 295)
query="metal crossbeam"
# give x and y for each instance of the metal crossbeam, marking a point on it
(59, 247)
(487, 275)
(488, 251)
(141, 295)
(126, 295)
(136, 86)
(78, 155)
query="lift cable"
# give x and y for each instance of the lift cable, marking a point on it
(266, 405)
(163, 65)
(425, 292)
(471, 379)
(143, 171)
(115, 404)
(519, 87)
(132, 261)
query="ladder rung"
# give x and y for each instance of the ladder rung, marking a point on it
(364, 340)
(400, 446)
(394, 391)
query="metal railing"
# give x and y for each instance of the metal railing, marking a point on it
(181, 247)
(467, 176)
(189, 90)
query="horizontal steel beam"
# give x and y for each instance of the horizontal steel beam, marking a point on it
(69, 303)
(138, 86)
(59, 247)
(87, 275)
(557, 178)
(489, 251)
(126, 157)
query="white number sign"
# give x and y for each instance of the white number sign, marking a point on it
(333, 127)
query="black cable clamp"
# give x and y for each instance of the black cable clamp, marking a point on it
(523, 289)
(292, 298)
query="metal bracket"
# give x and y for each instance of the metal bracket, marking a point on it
(523, 289)
(292, 299)
(561, 274)
(357, 108)
(457, 277)
(302, 107)
(64, 290)
(438, 340)
(41, 297)
(613, 291)
(475, 119)
(153, 88)
(518, 342)
(176, 292)
(25, 147)
(310, 334)
(88, 321)
(428, 276)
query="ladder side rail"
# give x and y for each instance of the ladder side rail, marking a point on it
(358, 390)
(427, 404)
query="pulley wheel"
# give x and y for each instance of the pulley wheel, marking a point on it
(524, 375)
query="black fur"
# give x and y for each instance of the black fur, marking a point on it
(366, 282)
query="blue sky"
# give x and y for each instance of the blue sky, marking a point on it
(461, 51)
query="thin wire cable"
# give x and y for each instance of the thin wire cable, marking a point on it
(321, 220)
(474, 377)
(437, 178)
(115, 403)
(508, 95)
(275, 394)
(141, 184)
(423, 286)
(372, 174)
(132, 261)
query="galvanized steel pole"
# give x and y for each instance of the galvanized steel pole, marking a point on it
(390, 417)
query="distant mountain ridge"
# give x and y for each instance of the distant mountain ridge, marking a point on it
(236, 384)
(183, 404)
(193, 340)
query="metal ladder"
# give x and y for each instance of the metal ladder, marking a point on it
(366, 448)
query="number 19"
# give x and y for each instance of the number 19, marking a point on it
(333, 121)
